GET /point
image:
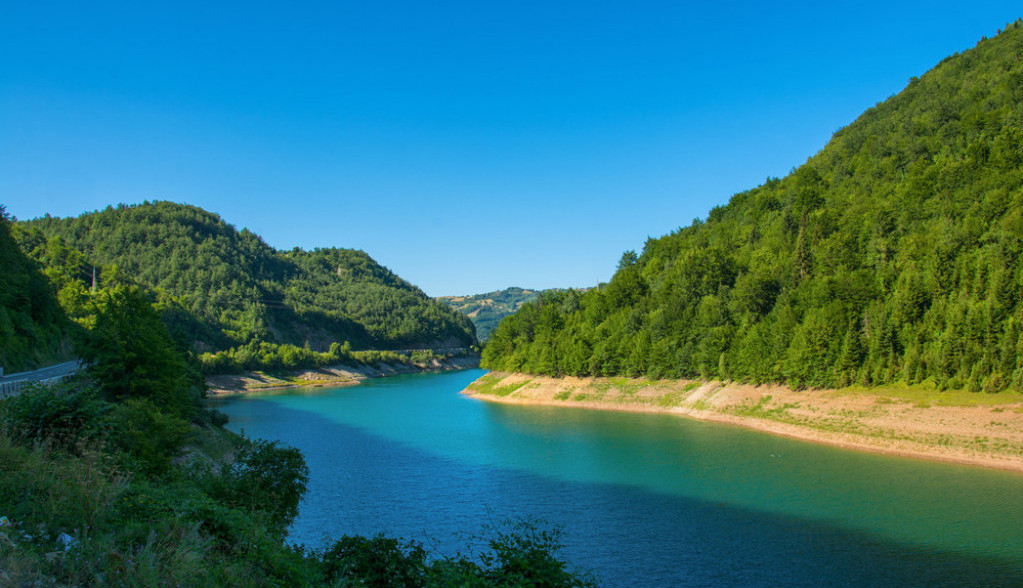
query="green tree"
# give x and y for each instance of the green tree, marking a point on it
(131, 354)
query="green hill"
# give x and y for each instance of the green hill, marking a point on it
(891, 255)
(237, 290)
(487, 310)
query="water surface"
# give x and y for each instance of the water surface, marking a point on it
(643, 499)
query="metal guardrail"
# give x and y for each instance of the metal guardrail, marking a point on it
(8, 389)
(437, 351)
(11, 389)
(13, 384)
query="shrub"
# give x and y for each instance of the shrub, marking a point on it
(265, 476)
(382, 562)
(62, 414)
(149, 437)
(45, 492)
(526, 555)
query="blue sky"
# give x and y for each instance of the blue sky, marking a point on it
(468, 146)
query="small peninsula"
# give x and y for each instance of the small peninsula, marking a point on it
(331, 375)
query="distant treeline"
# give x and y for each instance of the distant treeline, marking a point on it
(487, 310)
(891, 255)
(286, 357)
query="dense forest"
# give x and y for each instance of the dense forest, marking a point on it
(33, 328)
(891, 255)
(227, 289)
(487, 310)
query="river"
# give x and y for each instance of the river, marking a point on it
(641, 499)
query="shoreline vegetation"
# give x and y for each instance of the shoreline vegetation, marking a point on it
(909, 421)
(331, 375)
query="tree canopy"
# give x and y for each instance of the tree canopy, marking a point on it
(893, 254)
(33, 327)
(232, 289)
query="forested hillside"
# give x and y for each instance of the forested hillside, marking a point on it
(487, 310)
(33, 328)
(891, 255)
(236, 290)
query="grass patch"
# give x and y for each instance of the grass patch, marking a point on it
(757, 409)
(677, 398)
(701, 405)
(927, 394)
(761, 410)
(490, 385)
(672, 399)
(624, 386)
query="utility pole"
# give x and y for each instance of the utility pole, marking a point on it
(93, 279)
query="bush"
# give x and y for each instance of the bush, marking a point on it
(62, 414)
(216, 417)
(523, 555)
(265, 476)
(381, 562)
(149, 437)
(526, 555)
(46, 492)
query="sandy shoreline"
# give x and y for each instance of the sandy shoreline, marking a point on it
(988, 435)
(335, 375)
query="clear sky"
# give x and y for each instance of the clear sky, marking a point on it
(468, 146)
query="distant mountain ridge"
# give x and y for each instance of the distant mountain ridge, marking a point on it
(487, 310)
(237, 289)
(892, 255)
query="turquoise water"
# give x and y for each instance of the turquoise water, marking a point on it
(643, 499)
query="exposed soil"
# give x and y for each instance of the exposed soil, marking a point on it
(988, 435)
(335, 375)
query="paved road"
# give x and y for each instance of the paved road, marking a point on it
(47, 373)
(11, 384)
